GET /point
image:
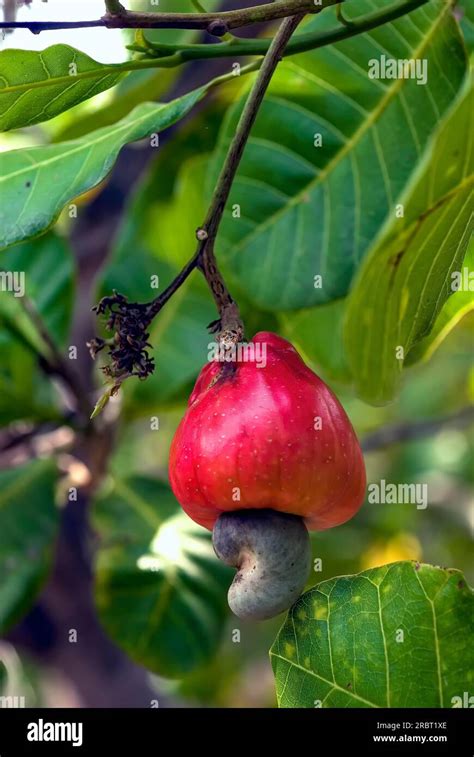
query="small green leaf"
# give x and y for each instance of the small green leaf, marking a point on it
(160, 590)
(407, 276)
(395, 636)
(37, 182)
(37, 85)
(29, 523)
(102, 402)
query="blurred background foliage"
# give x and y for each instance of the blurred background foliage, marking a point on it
(159, 592)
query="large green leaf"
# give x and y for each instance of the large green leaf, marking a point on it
(406, 278)
(136, 88)
(28, 526)
(37, 85)
(160, 590)
(36, 183)
(395, 636)
(311, 211)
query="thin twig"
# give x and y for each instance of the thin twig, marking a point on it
(166, 55)
(405, 432)
(206, 234)
(176, 54)
(216, 24)
(130, 321)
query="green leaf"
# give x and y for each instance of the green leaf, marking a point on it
(317, 335)
(406, 278)
(102, 402)
(307, 210)
(395, 636)
(37, 182)
(29, 523)
(136, 88)
(37, 85)
(160, 590)
(454, 309)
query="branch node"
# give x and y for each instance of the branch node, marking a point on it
(217, 28)
(201, 234)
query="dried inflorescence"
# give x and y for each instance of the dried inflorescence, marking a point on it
(128, 348)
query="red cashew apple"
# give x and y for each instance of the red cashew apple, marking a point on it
(264, 436)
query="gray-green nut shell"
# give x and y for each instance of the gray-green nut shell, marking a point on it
(272, 554)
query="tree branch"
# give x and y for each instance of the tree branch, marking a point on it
(405, 432)
(130, 321)
(204, 256)
(216, 24)
(170, 55)
(300, 44)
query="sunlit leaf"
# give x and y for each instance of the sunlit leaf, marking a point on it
(36, 183)
(160, 590)
(37, 85)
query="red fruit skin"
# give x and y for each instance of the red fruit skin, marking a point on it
(255, 429)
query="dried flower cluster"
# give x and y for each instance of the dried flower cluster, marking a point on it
(128, 348)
